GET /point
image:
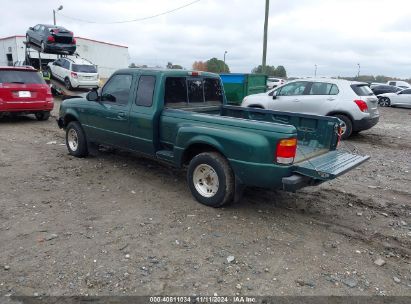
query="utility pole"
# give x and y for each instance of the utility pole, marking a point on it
(267, 8)
(359, 69)
(315, 70)
(225, 52)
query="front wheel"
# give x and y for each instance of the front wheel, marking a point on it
(384, 102)
(76, 141)
(42, 115)
(211, 179)
(346, 126)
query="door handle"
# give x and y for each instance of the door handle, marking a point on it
(330, 99)
(296, 100)
(121, 114)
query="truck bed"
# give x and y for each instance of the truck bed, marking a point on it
(316, 134)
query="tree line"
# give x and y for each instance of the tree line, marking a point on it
(215, 65)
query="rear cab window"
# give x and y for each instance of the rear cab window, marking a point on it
(362, 89)
(183, 92)
(21, 76)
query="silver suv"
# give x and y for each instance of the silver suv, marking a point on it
(352, 102)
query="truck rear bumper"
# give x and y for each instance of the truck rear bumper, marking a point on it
(294, 182)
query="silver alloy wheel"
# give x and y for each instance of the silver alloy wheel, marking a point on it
(384, 102)
(72, 139)
(205, 180)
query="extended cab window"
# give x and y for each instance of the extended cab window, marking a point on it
(183, 91)
(117, 89)
(145, 91)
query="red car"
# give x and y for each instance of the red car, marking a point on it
(24, 91)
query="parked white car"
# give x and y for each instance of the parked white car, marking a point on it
(401, 98)
(75, 72)
(352, 102)
(274, 82)
(398, 83)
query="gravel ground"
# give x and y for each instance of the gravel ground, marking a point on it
(116, 224)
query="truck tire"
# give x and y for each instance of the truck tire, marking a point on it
(347, 126)
(211, 179)
(44, 115)
(76, 141)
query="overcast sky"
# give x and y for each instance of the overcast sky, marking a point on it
(333, 34)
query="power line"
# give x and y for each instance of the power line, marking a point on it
(133, 20)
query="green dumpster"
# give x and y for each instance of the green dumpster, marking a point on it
(237, 86)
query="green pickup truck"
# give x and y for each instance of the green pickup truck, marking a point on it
(181, 118)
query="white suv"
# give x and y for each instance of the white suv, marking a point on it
(352, 102)
(75, 73)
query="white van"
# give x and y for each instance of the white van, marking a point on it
(400, 84)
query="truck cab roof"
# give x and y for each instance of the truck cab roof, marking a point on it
(168, 72)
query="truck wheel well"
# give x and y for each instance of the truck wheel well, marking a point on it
(69, 118)
(196, 149)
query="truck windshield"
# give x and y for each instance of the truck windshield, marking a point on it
(193, 91)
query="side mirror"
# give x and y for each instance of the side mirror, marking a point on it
(109, 97)
(31, 28)
(275, 95)
(92, 95)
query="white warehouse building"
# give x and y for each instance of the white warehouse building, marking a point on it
(107, 57)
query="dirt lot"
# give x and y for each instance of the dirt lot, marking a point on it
(118, 224)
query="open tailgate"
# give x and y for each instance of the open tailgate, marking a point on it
(329, 165)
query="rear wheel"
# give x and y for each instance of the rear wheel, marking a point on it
(67, 83)
(45, 115)
(76, 141)
(384, 102)
(211, 179)
(346, 126)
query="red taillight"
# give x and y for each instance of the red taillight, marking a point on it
(194, 73)
(362, 105)
(340, 131)
(74, 75)
(73, 41)
(50, 39)
(286, 150)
